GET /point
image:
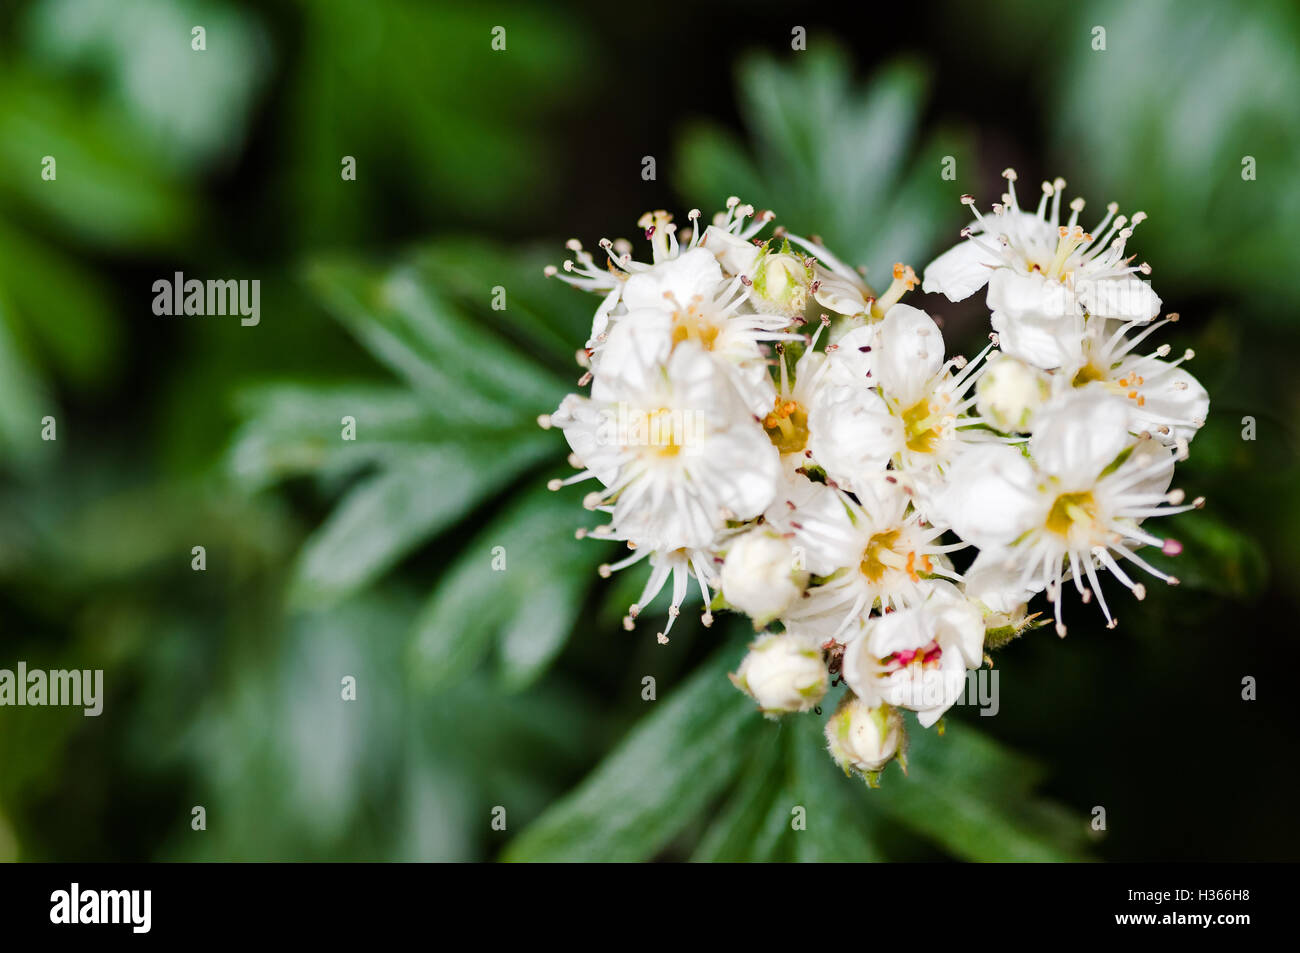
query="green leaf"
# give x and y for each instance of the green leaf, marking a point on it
(479, 151)
(733, 835)
(389, 515)
(110, 189)
(291, 429)
(546, 316)
(973, 797)
(23, 401)
(663, 774)
(406, 324)
(199, 114)
(542, 622)
(1166, 141)
(61, 305)
(836, 159)
(523, 579)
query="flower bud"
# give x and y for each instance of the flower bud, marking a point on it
(780, 281)
(761, 575)
(1009, 393)
(783, 673)
(861, 738)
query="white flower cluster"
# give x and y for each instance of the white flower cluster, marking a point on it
(820, 482)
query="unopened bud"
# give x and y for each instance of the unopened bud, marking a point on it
(783, 673)
(760, 577)
(1009, 393)
(861, 738)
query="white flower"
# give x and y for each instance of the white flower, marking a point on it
(761, 575)
(678, 453)
(981, 490)
(906, 404)
(612, 281)
(814, 518)
(883, 549)
(862, 737)
(783, 673)
(1042, 275)
(1009, 394)
(852, 435)
(819, 494)
(824, 417)
(917, 657)
(675, 282)
(687, 299)
(1033, 320)
(1163, 398)
(1079, 504)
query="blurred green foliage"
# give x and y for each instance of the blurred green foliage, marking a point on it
(374, 558)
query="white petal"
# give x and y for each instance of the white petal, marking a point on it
(1126, 299)
(747, 468)
(1172, 398)
(1031, 295)
(675, 282)
(959, 627)
(993, 580)
(633, 354)
(590, 431)
(600, 322)
(851, 433)
(1079, 434)
(819, 522)
(960, 271)
(910, 354)
(853, 361)
(838, 294)
(900, 631)
(991, 497)
(1045, 342)
(736, 255)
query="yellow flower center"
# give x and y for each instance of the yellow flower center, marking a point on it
(663, 434)
(879, 557)
(1087, 374)
(1072, 511)
(691, 325)
(787, 426)
(920, 427)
